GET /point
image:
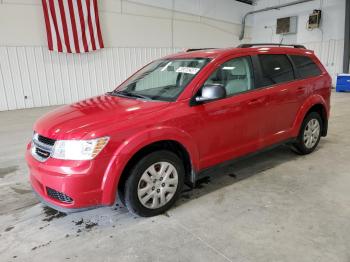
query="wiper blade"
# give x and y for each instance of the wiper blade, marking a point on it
(116, 93)
(134, 95)
(128, 94)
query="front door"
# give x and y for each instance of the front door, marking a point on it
(231, 126)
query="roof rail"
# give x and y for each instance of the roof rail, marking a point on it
(270, 44)
(197, 49)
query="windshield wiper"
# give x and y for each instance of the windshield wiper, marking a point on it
(128, 94)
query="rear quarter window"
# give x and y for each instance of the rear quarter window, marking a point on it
(276, 69)
(305, 66)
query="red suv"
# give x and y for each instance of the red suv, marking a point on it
(174, 120)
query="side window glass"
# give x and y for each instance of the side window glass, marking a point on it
(235, 75)
(305, 66)
(276, 69)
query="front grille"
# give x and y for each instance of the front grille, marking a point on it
(42, 147)
(58, 195)
(46, 140)
(42, 153)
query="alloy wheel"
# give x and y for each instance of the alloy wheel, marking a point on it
(157, 185)
(311, 133)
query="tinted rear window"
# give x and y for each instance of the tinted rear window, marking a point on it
(276, 69)
(305, 66)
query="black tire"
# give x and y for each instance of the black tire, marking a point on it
(121, 195)
(130, 188)
(300, 146)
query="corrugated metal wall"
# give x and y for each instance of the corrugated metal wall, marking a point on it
(331, 55)
(35, 77)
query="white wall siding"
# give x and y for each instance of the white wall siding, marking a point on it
(331, 55)
(34, 76)
(49, 78)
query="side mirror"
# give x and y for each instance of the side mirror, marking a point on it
(211, 92)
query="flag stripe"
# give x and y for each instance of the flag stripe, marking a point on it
(55, 26)
(78, 24)
(72, 43)
(91, 30)
(72, 26)
(52, 28)
(47, 24)
(94, 31)
(64, 26)
(60, 25)
(82, 25)
(97, 19)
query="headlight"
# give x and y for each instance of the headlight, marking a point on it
(78, 149)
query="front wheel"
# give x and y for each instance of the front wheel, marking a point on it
(154, 183)
(309, 135)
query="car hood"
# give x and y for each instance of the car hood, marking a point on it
(76, 120)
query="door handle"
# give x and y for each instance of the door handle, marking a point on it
(256, 101)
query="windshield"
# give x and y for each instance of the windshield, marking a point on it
(162, 79)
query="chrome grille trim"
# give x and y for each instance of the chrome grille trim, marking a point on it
(42, 145)
(46, 140)
(39, 148)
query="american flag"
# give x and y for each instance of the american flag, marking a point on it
(72, 26)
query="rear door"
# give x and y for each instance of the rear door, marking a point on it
(308, 77)
(277, 76)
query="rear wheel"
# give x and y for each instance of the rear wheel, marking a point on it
(154, 183)
(309, 135)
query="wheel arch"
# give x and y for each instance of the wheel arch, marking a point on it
(136, 147)
(321, 110)
(170, 145)
(313, 104)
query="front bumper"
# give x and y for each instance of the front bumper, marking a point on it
(80, 181)
(59, 208)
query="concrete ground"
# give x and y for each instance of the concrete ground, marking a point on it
(276, 206)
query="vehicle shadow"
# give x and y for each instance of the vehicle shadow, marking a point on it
(237, 171)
